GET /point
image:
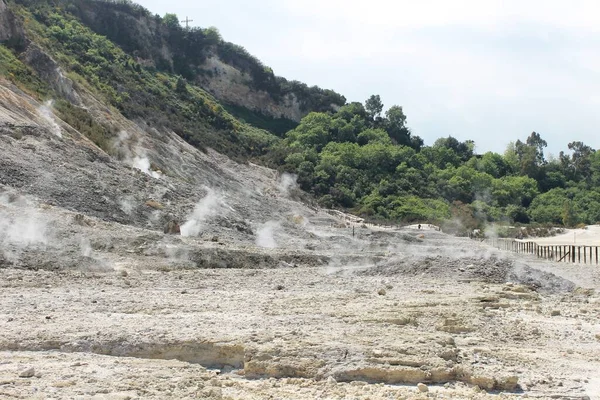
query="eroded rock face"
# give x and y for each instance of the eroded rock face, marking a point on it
(50, 72)
(231, 85)
(9, 29)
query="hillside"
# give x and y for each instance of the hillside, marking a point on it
(202, 57)
(215, 94)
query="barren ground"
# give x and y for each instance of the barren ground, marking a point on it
(426, 312)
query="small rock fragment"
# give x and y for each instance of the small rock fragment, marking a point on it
(381, 292)
(555, 313)
(422, 387)
(28, 373)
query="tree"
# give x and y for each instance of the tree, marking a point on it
(352, 110)
(535, 140)
(374, 106)
(181, 86)
(213, 36)
(396, 126)
(547, 208)
(463, 149)
(595, 169)
(171, 20)
(581, 158)
(372, 136)
(493, 164)
(530, 156)
(568, 214)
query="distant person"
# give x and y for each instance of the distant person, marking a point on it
(419, 226)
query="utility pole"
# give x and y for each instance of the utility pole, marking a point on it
(187, 22)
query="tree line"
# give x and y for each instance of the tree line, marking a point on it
(372, 164)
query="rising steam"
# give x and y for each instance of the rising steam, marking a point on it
(27, 229)
(287, 182)
(265, 235)
(46, 112)
(210, 205)
(137, 158)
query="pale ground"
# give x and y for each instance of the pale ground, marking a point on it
(584, 237)
(295, 332)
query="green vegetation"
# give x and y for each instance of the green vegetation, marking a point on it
(359, 158)
(278, 126)
(374, 166)
(151, 37)
(80, 119)
(12, 68)
(160, 99)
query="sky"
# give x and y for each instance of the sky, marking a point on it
(486, 70)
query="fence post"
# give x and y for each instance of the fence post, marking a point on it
(560, 252)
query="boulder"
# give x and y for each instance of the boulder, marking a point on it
(172, 228)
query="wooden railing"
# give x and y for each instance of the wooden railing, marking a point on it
(558, 252)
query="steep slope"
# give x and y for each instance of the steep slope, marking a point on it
(64, 54)
(226, 70)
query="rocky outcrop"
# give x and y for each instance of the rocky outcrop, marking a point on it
(12, 34)
(10, 30)
(50, 72)
(230, 85)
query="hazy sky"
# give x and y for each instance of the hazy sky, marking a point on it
(487, 70)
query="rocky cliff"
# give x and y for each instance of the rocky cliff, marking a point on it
(10, 31)
(225, 70)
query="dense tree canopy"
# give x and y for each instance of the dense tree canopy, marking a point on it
(356, 159)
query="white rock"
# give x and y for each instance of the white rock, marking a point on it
(28, 373)
(422, 387)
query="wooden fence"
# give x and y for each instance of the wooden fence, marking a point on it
(560, 253)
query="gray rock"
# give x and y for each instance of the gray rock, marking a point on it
(28, 373)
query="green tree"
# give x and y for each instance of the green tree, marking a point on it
(579, 165)
(548, 207)
(373, 136)
(213, 36)
(464, 150)
(172, 21)
(535, 140)
(396, 125)
(568, 214)
(181, 86)
(374, 106)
